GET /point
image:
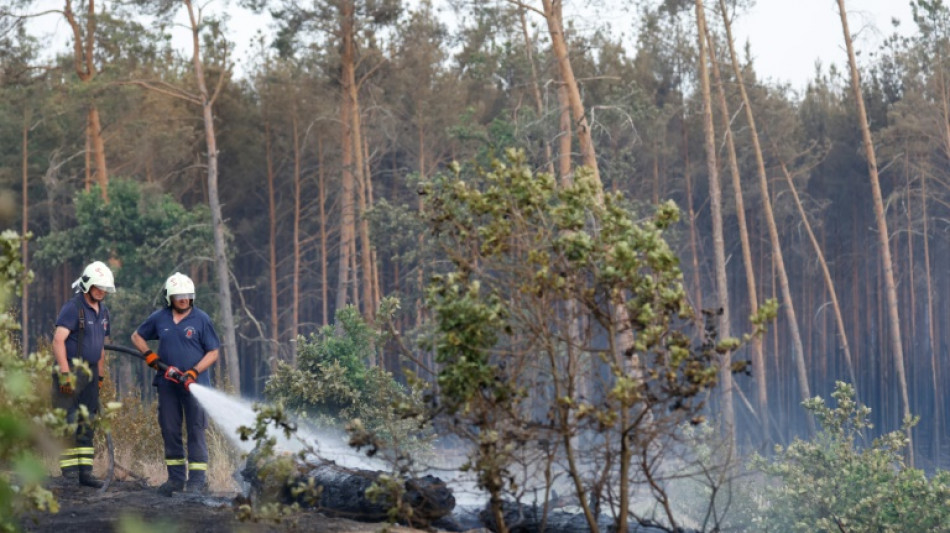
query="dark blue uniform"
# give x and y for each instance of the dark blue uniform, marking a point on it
(94, 330)
(181, 345)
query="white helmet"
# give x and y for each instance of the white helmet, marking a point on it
(98, 274)
(178, 284)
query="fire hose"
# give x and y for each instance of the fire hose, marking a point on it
(159, 365)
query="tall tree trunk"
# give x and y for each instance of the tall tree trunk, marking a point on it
(423, 174)
(222, 271)
(365, 254)
(24, 245)
(758, 359)
(85, 66)
(295, 313)
(796, 338)
(535, 89)
(931, 324)
(375, 294)
(347, 215)
(98, 151)
(322, 196)
(693, 234)
(897, 345)
(719, 247)
(272, 248)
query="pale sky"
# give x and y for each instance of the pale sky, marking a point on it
(786, 37)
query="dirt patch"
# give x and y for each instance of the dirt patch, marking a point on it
(83, 510)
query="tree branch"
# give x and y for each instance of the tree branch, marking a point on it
(163, 88)
(526, 6)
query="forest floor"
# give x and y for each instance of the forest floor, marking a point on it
(135, 507)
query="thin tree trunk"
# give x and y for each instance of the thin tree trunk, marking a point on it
(535, 89)
(797, 348)
(693, 237)
(272, 248)
(24, 245)
(423, 174)
(365, 254)
(347, 215)
(376, 295)
(897, 345)
(217, 221)
(719, 247)
(295, 290)
(322, 194)
(98, 151)
(931, 325)
(758, 359)
(85, 66)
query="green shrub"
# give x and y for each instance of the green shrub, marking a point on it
(832, 484)
(332, 385)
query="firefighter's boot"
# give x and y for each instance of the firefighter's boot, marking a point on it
(86, 478)
(171, 486)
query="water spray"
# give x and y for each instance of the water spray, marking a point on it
(230, 413)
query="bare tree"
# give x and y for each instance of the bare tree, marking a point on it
(893, 318)
(788, 304)
(715, 205)
(758, 360)
(206, 100)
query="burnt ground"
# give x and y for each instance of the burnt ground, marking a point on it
(86, 510)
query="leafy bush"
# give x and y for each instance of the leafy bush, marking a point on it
(832, 484)
(333, 385)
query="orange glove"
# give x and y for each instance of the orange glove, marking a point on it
(151, 358)
(189, 377)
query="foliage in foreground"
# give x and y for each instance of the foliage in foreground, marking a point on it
(26, 422)
(831, 483)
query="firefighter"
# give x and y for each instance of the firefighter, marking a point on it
(186, 340)
(82, 329)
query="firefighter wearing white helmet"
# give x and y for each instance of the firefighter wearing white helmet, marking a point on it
(179, 286)
(96, 274)
(186, 339)
(82, 329)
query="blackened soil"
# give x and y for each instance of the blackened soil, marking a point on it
(126, 503)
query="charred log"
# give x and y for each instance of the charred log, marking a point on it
(343, 492)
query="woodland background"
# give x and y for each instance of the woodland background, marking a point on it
(295, 181)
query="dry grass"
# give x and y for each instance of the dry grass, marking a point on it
(140, 454)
